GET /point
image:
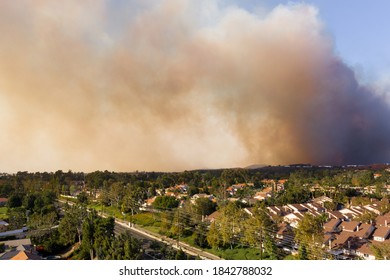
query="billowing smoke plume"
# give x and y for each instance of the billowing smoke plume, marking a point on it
(174, 85)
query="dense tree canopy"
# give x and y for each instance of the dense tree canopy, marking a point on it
(165, 202)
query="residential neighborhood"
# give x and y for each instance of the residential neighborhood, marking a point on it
(285, 212)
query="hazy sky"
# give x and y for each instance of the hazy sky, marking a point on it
(175, 85)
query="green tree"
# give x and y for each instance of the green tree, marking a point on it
(41, 223)
(28, 201)
(71, 224)
(204, 206)
(309, 234)
(17, 218)
(82, 198)
(229, 222)
(180, 255)
(124, 247)
(88, 231)
(213, 236)
(270, 247)
(116, 194)
(177, 227)
(15, 200)
(165, 202)
(302, 252)
(200, 235)
(166, 221)
(259, 231)
(381, 251)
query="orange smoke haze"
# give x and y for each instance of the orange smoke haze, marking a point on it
(174, 85)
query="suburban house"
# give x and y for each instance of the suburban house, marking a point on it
(346, 243)
(285, 235)
(365, 252)
(249, 201)
(381, 233)
(350, 214)
(349, 226)
(202, 195)
(277, 185)
(293, 219)
(374, 208)
(213, 216)
(315, 207)
(233, 189)
(275, 210)
(20, 249)
(332, 226)
(297, 208)
(265, 193)
(383, 220)
(148, 203)
(321, 200)
(364, 231)
(336, 215)
(20, 255)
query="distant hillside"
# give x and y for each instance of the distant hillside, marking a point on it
(256, 166)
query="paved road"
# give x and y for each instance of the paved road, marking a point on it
(145, 234)
(16, 232)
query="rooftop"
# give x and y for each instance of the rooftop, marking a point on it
(382, 232)
(364, 230)
(349, 226)
(331, 224)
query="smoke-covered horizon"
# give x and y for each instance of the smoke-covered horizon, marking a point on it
(175, 85)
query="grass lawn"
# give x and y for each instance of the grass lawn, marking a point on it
(152, 221)
(237, 253)
(108, 210)
(147, 219)
(3, 213)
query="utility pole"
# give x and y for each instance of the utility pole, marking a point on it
(132, 214)
(261, 243)
(178, 226)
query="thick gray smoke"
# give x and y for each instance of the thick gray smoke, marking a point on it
(174, 85)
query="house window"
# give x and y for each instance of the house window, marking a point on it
(366, 255)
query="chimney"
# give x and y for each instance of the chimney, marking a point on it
(330, 244)
(357, 228)
(385, 223)
(349, 244)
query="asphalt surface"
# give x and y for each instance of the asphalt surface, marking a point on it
(147, 237)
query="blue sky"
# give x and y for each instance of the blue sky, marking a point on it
(360, 29)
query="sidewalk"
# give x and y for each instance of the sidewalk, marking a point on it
(169, 241)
